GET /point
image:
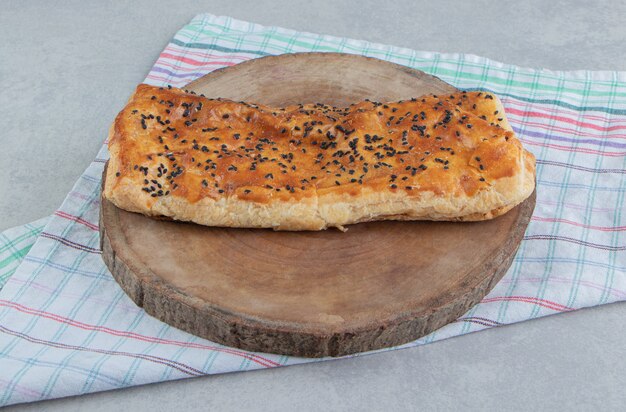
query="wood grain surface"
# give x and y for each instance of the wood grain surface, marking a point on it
(310, 294)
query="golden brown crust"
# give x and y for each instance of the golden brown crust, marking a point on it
(309, 167)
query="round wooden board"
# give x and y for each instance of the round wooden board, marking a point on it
(310, 294)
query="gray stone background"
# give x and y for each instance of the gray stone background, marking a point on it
(67, 67)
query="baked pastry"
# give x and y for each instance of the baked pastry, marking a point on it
(218, 162)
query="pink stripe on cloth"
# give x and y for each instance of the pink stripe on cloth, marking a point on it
(571, 149)
(563, 119)
(253, 357)
(618, 293)
(167, 56)
(129, 308)
(550, 110)
(77, 219)
(570, 222)
(532, 300)
(163, 361)
(576, 206)
(173, 82)
(558, 127)
(21, 389)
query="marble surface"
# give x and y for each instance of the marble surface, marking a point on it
(67, 67)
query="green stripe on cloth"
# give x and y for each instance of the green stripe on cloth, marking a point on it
(15, 244)
(287, 43)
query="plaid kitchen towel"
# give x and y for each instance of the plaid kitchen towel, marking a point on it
(67, 328)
